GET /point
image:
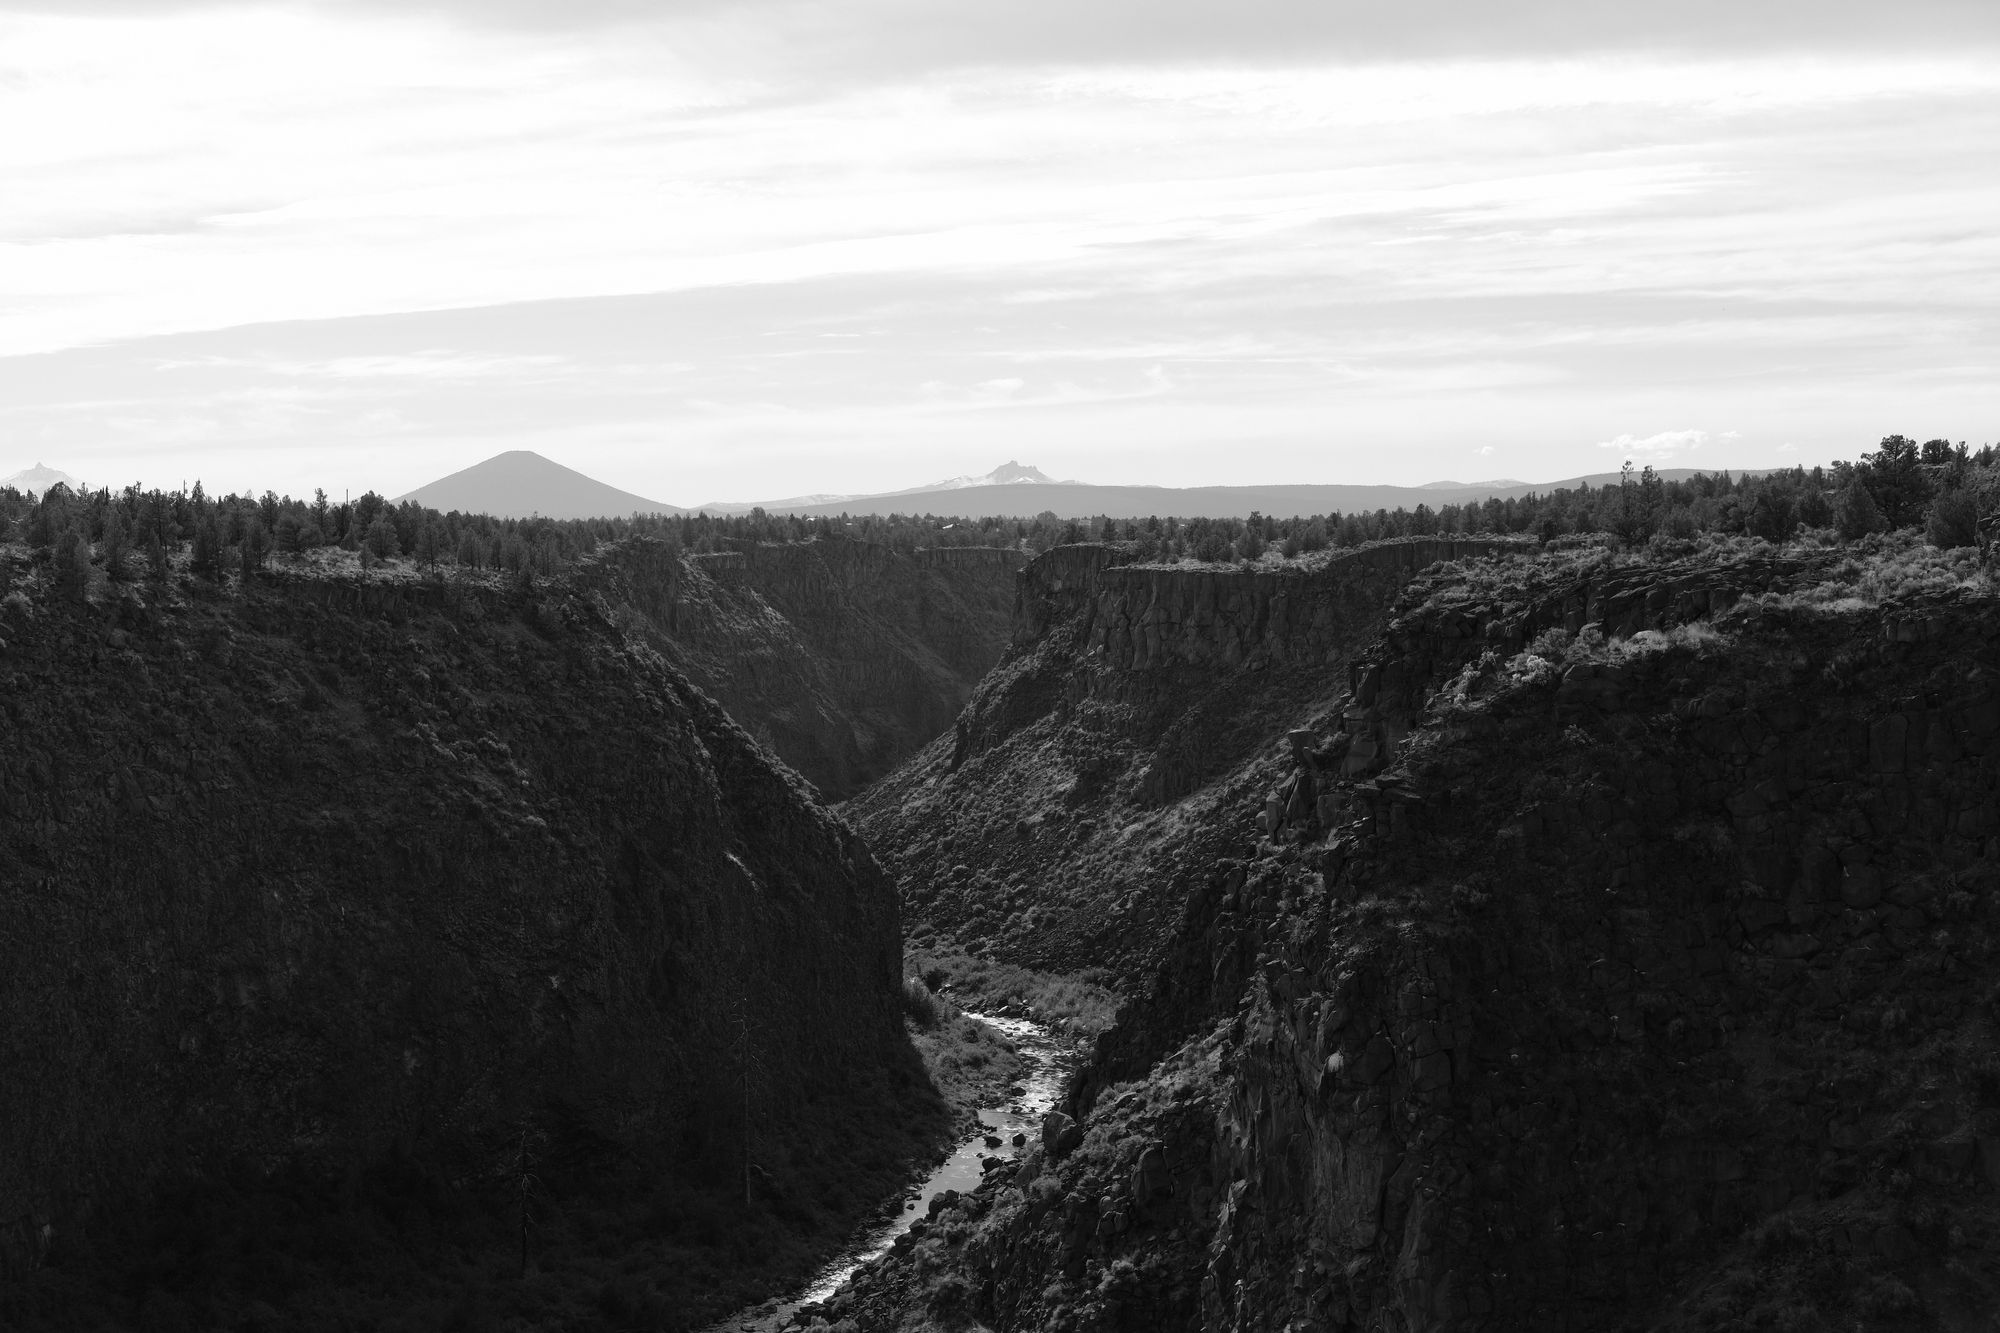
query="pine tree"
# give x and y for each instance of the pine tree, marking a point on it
(256, 546)
(206, 557)
(117, 546)
(157, 563)
(72, 565)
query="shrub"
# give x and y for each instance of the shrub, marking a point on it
(920, 1006)
(1551, 644)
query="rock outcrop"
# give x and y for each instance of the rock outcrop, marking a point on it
(323, 874)
(1648, 980)
(842, 657)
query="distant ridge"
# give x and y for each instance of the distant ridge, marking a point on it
(1070, 499)
(522, 484)
(1009, 473)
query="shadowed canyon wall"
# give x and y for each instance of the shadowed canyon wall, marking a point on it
(841, 657)
(322, 873)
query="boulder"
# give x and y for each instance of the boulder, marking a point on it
(1060, 1134)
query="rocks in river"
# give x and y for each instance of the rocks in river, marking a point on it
(993, 1140)
(1019, 1140)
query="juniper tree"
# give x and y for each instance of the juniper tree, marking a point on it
(1857, 515)
(1953, 520)
(381, 540)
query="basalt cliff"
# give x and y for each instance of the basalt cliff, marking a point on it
(400, 949)
(1613, 948)
(842, 657)
(1080, 796)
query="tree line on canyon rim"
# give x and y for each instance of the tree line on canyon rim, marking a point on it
(1945, 489)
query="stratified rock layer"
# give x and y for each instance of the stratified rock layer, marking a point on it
(1654, 985)
(323, 872)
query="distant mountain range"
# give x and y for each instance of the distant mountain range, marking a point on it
(521, 483)
(1016, 491)
(34, 480)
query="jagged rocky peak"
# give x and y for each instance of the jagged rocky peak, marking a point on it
(1011, 472)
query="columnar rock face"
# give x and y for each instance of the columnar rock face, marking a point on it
(1094, 758)
(322, 873)
(1653, 982)
(842, 657)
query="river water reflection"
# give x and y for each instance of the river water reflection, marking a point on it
(1047, 1065)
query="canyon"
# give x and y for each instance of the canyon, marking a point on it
(1512, 934)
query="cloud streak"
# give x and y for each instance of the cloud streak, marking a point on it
(1338, 248)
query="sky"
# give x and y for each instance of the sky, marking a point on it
(732, 251)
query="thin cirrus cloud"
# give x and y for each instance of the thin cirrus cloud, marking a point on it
(861, 244)
(1664, 444)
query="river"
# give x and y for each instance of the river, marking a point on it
(1047, 1066)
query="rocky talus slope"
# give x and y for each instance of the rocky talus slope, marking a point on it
(1079, 796)
(1651, 984)
(324, 883)
(842, 657)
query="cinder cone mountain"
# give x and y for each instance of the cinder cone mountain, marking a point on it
(522, 484)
